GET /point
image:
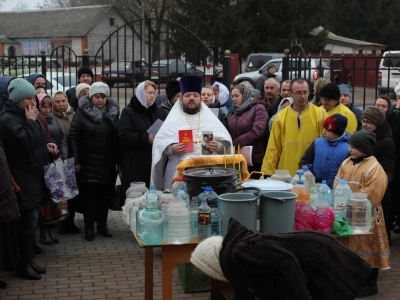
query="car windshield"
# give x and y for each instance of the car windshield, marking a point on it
(66, 80)
(392, 60)
(161, 63)
(257, 61)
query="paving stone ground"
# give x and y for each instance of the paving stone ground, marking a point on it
(113, 268)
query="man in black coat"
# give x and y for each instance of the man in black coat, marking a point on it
(304, 265)
(27, 151)
(85, 75)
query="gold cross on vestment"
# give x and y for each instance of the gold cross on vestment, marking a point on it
(198, 141)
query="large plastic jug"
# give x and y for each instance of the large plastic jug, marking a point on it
(177, 223)
(299, 176)
(209, 195)
(359, 213)
(310, 178)
(341, 194)
(303, 193)
(324, 195)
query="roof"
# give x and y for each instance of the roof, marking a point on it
(5, 40)
(50, 23)
(343, 40)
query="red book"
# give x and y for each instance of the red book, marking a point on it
(186, 137)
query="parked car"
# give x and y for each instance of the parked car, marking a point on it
(256, 60)
(311, 69)
(130, 72)
(32, 65)
(57, 81)
(389, 72)
(164, 70)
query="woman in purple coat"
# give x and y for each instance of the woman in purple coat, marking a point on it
(247, 123)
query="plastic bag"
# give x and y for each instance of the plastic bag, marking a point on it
(305, 216)
(325, 220)
(60, 179)
(51, 212)
(341, 227)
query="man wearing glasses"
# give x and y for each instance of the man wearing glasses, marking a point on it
(330, 95)
(293, 130)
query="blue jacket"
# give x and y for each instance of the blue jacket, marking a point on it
(326, 157)
(4, 82)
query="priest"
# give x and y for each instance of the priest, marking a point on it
(189, 116)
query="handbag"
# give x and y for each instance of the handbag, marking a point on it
(53, 212)
(60, 179)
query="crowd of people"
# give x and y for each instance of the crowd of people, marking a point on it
(284, 128)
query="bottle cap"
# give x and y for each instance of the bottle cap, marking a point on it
(181, 188)
(207, 189)
(152, 187)
(300, 182)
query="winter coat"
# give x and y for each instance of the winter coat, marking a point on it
(93, 141)
(72, 99)
(357, 112)
(304, 265)
(326, 157)
(64, 120)
(160, 99)
(4, 82)
(135, 146)
(164, 109)
(57, 135)
(367, 176)
(9, 210)
(221, 115)
(248, 129)
(26, 149)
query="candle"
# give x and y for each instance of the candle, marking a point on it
(225, 156)
(240, 173)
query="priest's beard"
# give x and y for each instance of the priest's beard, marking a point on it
(191, 111)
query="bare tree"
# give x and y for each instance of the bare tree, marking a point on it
(21, 5)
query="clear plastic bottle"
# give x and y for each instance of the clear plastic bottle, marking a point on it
(310, 178)
(303, 193)
(194, 219)
(215, 221)
(177, 223)
(152, 196)
(138, 212)
(183, 196)
(324, 195)
(359, 213)
(204, 217)
(176, 184)
(299, 176)
(209, 195)
(341, 194)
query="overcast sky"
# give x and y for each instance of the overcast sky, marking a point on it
(10, 4)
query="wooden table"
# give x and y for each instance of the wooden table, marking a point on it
(171, 255)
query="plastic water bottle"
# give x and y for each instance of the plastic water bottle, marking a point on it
(204, 217)
(209, 195)
(308, 175)
(177, 223)
(215, 221)
(359, 213)
(142, 205)
(183, 196)
(152, 197)
(341, 194)
(299, 176)
(324, 194)
(194, 219)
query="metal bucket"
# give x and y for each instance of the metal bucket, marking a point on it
(277, 211)
(241, 205)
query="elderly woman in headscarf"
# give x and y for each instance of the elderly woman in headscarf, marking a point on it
(221, 94)
(136, 143)
(318, 85)
(284, 103)
(247, 123)
(208, 97)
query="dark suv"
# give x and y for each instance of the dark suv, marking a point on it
(130, 72)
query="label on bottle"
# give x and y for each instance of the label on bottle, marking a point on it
(204, 218)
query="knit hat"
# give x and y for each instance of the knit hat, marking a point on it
(172, 88)
(344, 89)
(206, 257)
(85, 70)
(20, 89)
(363, 141)
(191, 83)
(41, 96)
(256, 93)
(374, 114)
(80, 87)
(330, 91)
(336, 123)
(99, 88)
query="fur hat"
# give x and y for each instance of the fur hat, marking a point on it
(20, 89)
(85, 70)
(336, 123)
(344, 89)
(330, 91)
(172, 88)
(99, 88)
(206, 257)
(374, 115)
(363, 141)
(80, 87)
(191, 83)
